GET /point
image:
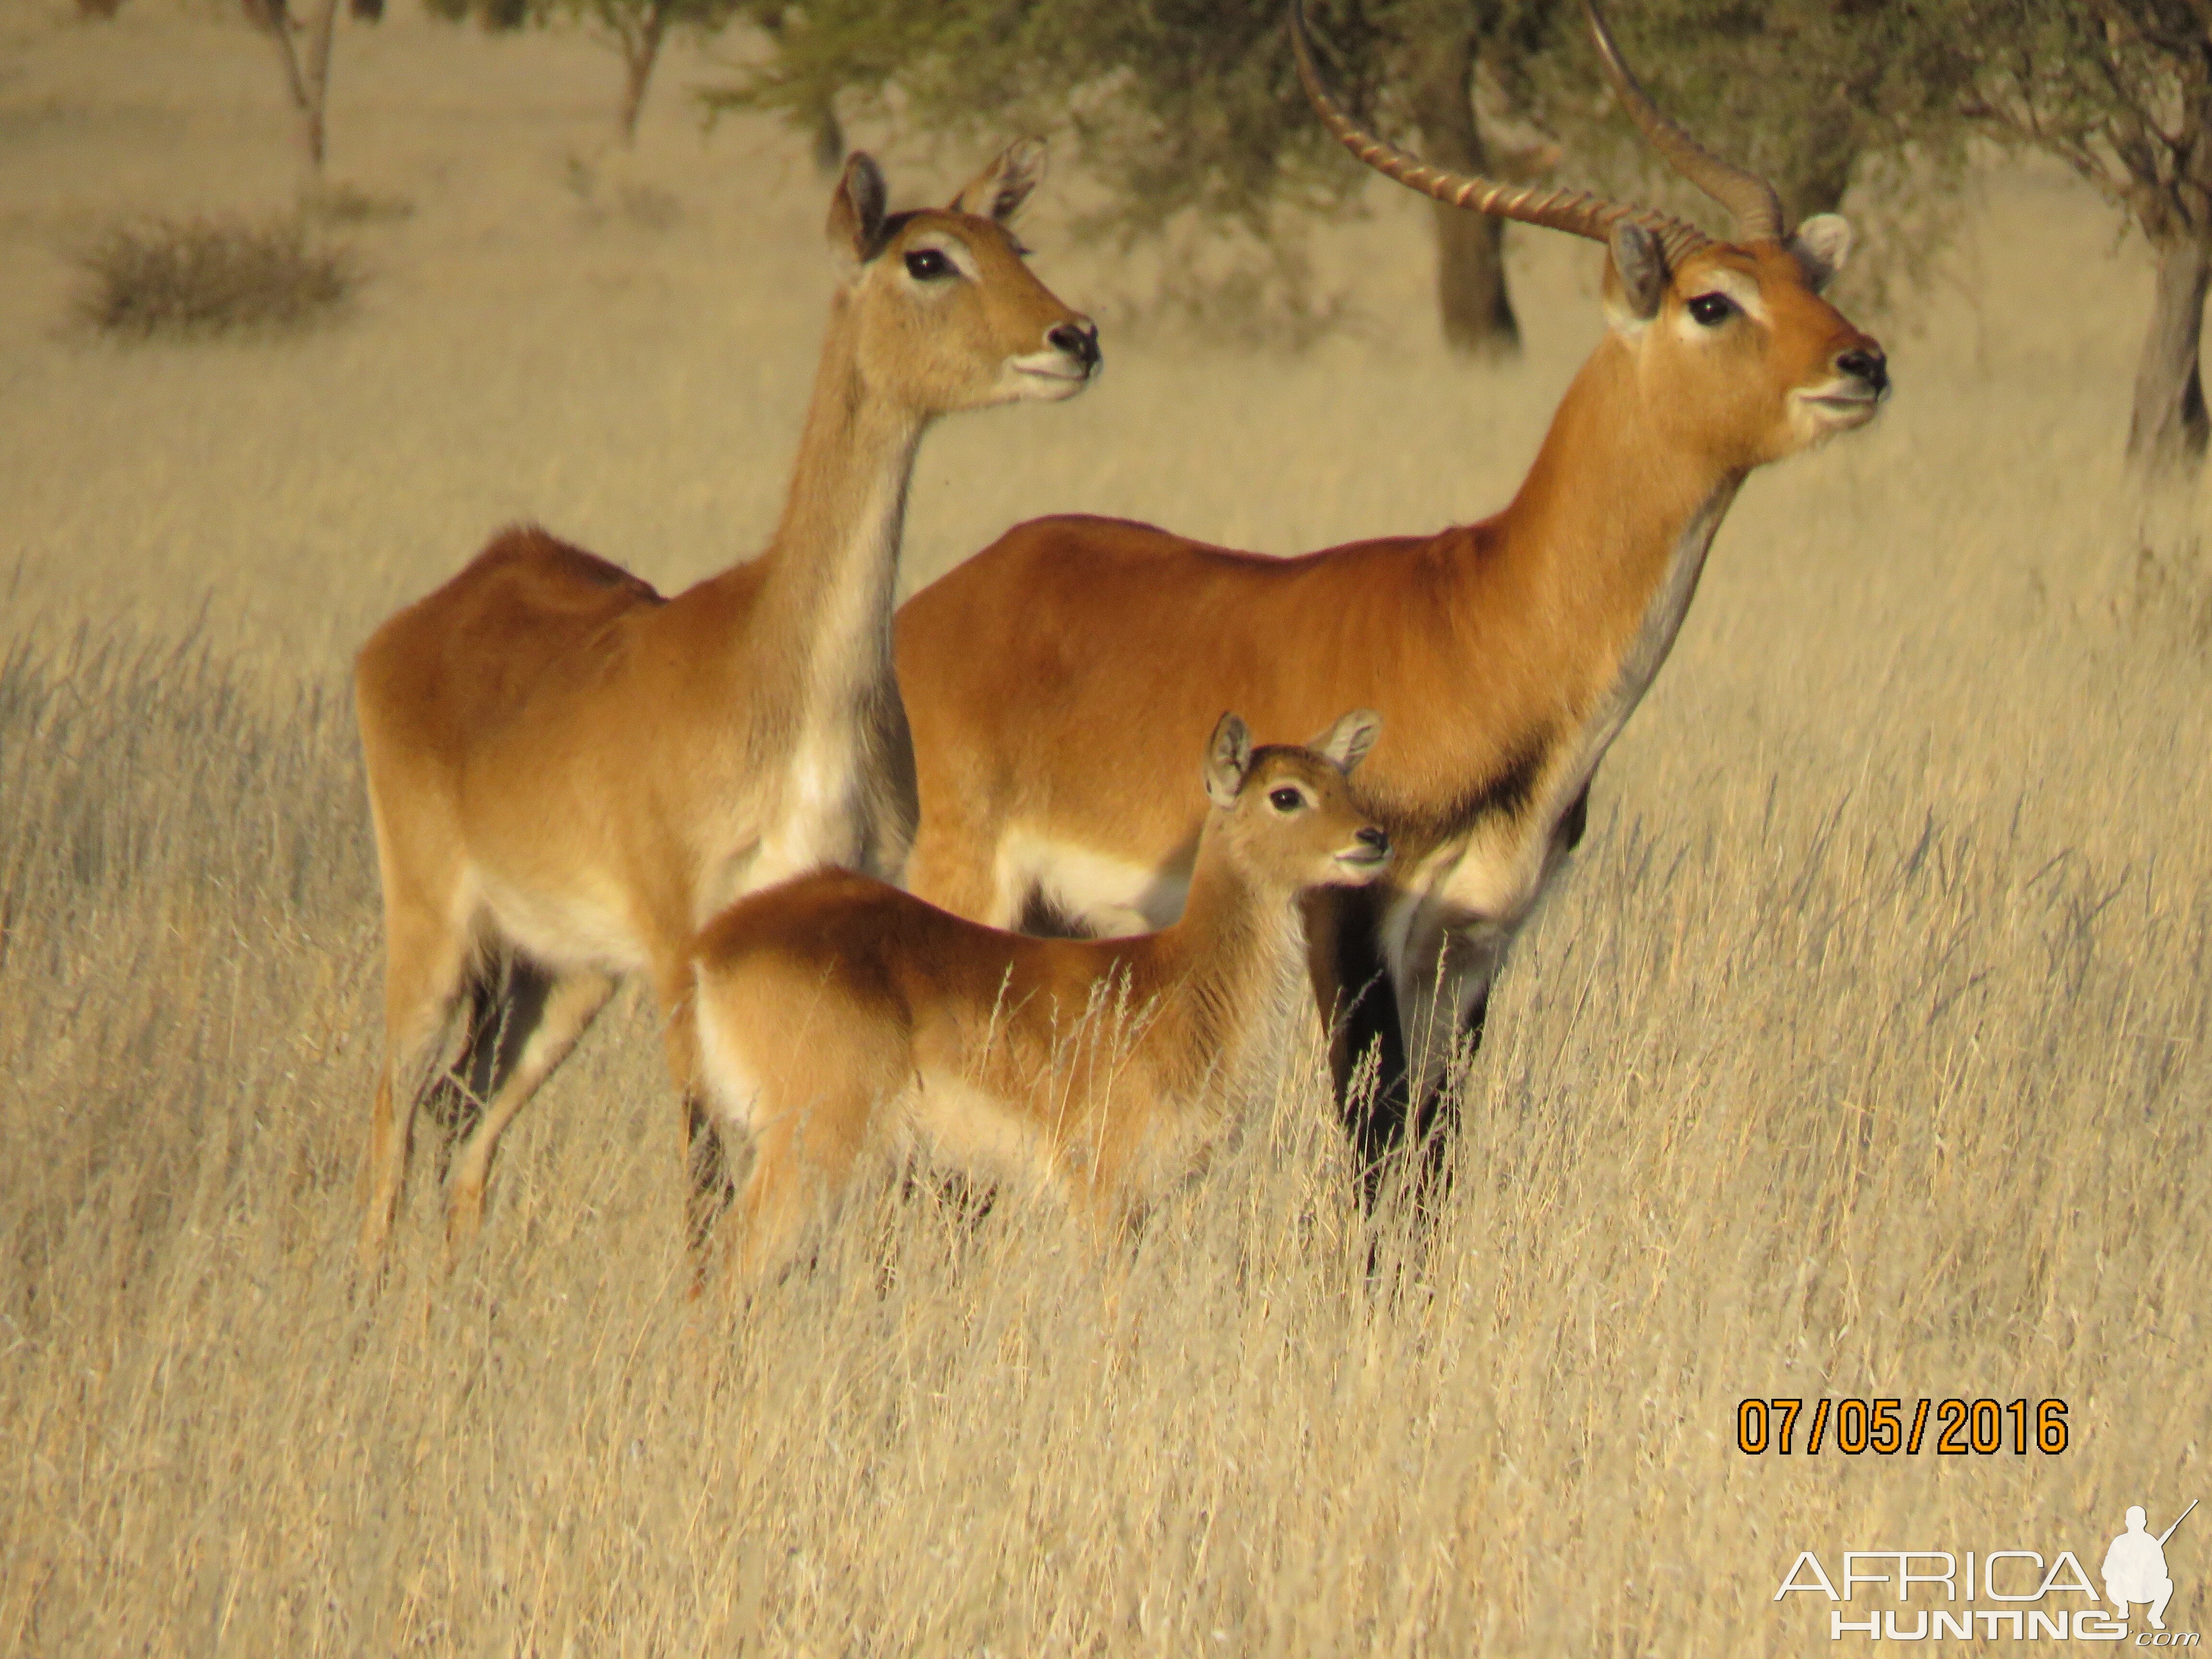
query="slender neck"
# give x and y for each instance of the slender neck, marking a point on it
(829, 576)
(1224, 957)
(1593, 564)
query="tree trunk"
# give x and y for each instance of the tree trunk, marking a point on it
(2169, 429)
(640, 53)
(828, 138)
(308, 80)
(1471, 297)
(320, 33)
(1817, 170)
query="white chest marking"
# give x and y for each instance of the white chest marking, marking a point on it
(581, 929)
(1496, 873)
(1112, 897)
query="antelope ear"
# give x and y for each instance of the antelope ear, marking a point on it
(856, 213)
(1640, 264)
(1347, 742)
(1821, 244)
(1228, 758)
(1000, 189)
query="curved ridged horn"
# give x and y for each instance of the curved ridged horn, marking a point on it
(1578, 212)
(1757, 208)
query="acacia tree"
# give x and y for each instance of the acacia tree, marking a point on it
(1444, 47)
(306, 72)
(635, 29)
(1183, 109)
(2121, 90)
(1826, 99)
(825, 132)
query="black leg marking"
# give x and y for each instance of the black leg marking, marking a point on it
(506, 1002)
(1394, 1120)
(1041, 918)
(1437, 1120)
(714, 1183)
(1569, 834)
(1368, 1044)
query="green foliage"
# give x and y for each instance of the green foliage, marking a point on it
(1802, 92)
(493, 14)
(1194, 108)
(1181, 107)
(620, 18)
(2121, 90)
(1858, 106)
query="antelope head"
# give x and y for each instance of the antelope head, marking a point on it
(950, 318)
(1289, 814)
(1755, 364)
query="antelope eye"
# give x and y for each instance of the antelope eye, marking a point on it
(1711, 310)
(925, 264)
(1285, 799)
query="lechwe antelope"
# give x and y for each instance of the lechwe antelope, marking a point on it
(1504, 656)
(840, 1017)
(568, 773)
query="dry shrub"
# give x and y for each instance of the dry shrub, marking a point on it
(1201, 282)
(2168, 599)
(350, 204)
(204, 276)
(615, 201)
(1267, 305)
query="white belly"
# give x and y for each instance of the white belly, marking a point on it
(963, 1127)
(1111, 897)
(562, 931)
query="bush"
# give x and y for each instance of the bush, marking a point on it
(350, 205)
(207, 276)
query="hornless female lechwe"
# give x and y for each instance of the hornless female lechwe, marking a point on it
(568, 773)
(1504, 656)
(841, 1018)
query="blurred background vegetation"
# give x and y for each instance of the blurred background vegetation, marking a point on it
(1188, 120)
(1190, 114)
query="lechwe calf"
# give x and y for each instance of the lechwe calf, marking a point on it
(569, 774)
(841, 1020)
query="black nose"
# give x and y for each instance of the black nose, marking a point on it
(1370, 836)
(1868, 365)
(1079, 340)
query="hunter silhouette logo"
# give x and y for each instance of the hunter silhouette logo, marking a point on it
(2023, 1595)
(2135, 1567)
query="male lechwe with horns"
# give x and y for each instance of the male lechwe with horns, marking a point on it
(568, 773)
(1503, 656)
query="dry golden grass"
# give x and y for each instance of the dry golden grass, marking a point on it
(1863, 1052)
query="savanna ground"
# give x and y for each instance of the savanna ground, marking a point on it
(1863, 1052)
